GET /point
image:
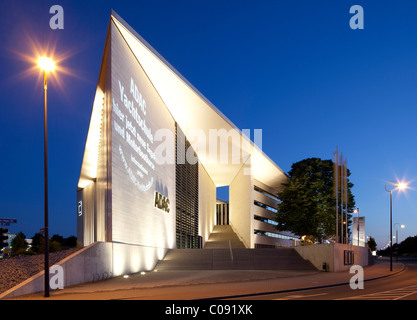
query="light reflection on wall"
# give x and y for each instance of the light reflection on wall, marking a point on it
(129, 259)
(89, 166)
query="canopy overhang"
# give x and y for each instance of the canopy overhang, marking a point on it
(195, 115)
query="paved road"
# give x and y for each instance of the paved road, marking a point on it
(233, 293)
(252, 285)
(401, 286)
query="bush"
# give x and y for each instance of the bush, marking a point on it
(70, 242)
(54, 246)
(56, 243)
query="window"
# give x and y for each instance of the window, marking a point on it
(349, 257)
(266, 220)
(266, 193)
(273, 235)
(263, 205)
(186, 179)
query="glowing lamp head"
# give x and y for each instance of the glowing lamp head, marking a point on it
(46, 64)
(401, 186)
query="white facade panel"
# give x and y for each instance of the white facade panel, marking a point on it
(241, 205)
(261, 212)
(138, 114)
(206, 203)
(265, 199)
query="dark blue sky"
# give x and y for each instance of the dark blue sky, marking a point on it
(292, 68)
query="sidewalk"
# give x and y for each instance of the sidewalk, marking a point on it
(178, 285)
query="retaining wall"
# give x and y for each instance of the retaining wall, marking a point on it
(98, 261)
(333, 255)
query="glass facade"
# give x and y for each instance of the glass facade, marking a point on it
(186, 182)
(267, 203)
(222, 213)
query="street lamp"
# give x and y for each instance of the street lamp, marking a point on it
(396, 230)
(396, 237)
(47, 65)
(400, 186)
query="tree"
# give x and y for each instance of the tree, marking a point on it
(54, 246)
(308, 205)
(37, 243)
(57, 238)
(408, 246)
(71, 241)
(372, 244)
(19, 244)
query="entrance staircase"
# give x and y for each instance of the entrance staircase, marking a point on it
(223, 237)
(224, 251)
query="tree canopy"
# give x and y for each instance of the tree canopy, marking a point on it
(308, 205)
(19, 244)
(372, 244)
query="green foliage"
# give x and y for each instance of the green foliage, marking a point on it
(57, 238)
(70, 242)
(308, 203)
(37, 243)
(408, 246)
(54, 246)
(56, 243)
(372, 244)
(19, 244)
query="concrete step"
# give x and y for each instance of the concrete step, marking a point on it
(223, 237)
(235, 259)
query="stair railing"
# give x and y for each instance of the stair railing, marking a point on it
(231, 252)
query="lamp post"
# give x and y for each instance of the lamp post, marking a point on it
(396, 238)
(399, 186)
(46, 64)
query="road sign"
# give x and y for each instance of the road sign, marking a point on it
(7, 222)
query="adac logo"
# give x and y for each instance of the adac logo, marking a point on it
(161, 202)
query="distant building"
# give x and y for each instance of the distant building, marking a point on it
(5, 252)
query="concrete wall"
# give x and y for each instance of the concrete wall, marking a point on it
(98, 261)
(141, 163)
(241, 206)
(333, 255)
(206, 203)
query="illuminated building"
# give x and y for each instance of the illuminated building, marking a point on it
(155, 153)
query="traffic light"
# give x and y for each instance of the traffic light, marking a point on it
(3, 238)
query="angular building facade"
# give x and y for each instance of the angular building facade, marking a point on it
(155, 153)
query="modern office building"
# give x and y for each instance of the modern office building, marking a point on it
(155, 153)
